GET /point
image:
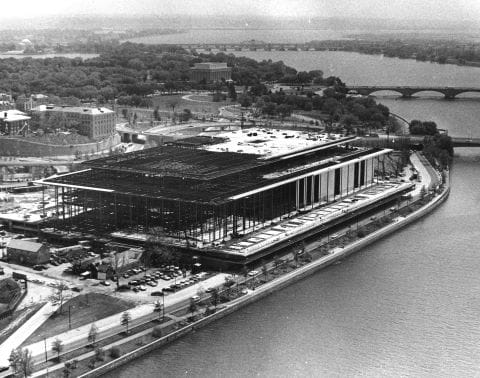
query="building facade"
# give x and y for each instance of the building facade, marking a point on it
(210, 72)
(13, 122)
(25, 252)
(207, 197)
(96, 123)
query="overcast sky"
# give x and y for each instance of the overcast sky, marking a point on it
(456, 10)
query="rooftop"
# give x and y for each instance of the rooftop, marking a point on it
(73, 109)
(271, 143)
(192, 175)
(25, 245)
(210, 66)
(13, 115)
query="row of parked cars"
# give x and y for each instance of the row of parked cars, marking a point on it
(185, 282)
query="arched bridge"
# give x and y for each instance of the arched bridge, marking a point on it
(408, 92)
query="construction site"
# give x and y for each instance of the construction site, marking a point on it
(231, 199)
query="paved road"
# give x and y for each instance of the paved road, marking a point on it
(109, 326)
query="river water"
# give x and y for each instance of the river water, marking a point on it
(406, 306)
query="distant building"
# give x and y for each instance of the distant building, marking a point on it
(210, 72)
(26, 252)
(28, 103)
(6, 101)
(25, 45)
(13, 122)
(96, 123)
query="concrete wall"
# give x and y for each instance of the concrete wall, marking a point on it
(23, 147)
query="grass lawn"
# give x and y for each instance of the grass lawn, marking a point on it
(85, 309)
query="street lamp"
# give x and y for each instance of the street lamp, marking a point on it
(45, 343)
(163, 306)
(69, 317)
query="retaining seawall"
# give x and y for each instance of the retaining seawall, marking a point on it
(277, 284)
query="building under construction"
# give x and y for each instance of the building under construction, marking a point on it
(225, 197)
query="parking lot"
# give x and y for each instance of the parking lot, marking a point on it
(166, 279)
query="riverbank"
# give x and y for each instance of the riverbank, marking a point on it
(276, 284)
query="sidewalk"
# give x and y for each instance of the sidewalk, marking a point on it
(111, 325)
(21, 334)
(92, 353)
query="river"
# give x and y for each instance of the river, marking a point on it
(405, 306)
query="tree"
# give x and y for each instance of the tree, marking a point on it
(232, 93)
(22, 362)
(265, 271)
(15, 361)
(92, 334)
(172, 103)
(295, 258)
(245, 272)
(193, 306)
(57, 347)
(245, 100)
(186, 115)
(229, 282)
(58, 295)
(156, 114)
(423, 192)
(159, 308)
(276, 262)
(99, 354)
(66, 371)
(214, 297)
(125, 320)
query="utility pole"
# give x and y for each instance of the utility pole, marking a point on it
(69, 317)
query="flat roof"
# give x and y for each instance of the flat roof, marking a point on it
(271, 143)
(180, 162)
(13, 115)
(74, 109)
(210, 66)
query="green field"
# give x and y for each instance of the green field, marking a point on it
(84, 309)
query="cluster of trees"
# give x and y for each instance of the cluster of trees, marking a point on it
(434, 50)
(417, 127)
(438, 149)
(333, 103)
(129, 72)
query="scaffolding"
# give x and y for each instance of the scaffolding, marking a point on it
(205, 198)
